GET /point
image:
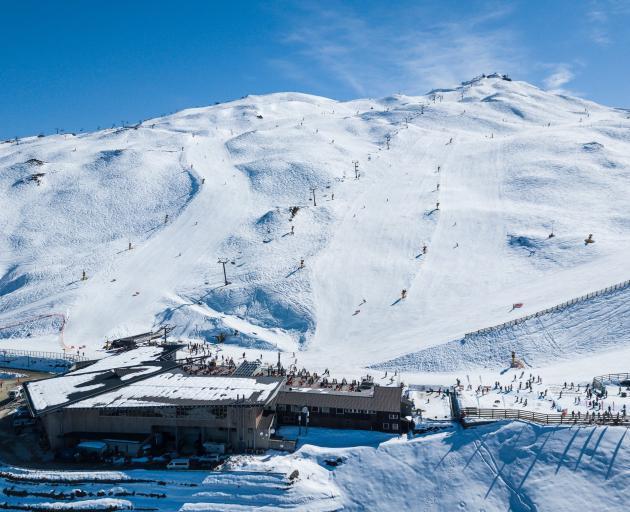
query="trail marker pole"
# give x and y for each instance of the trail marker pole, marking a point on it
(313, 189)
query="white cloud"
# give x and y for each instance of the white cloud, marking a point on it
(600, 15)
(559, 78)
(401, 51)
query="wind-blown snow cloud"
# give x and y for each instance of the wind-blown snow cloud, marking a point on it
(369, 58)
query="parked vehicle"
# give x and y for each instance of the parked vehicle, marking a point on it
(178, 464)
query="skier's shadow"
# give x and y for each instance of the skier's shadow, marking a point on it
(292, 272)
(395, 302)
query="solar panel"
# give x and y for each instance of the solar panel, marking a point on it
(246, 369)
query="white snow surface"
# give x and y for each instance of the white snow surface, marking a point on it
(50, 392)
(505, 466)
(522, 162)
(134, 357)
(171, 387)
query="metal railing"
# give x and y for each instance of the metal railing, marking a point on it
(34, 354)
(545, 419)
(599, 382)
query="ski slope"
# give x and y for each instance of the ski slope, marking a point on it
(506, 466)
(512, 163)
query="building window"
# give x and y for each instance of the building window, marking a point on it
(394, 426)
(385, 426)
(219, 411)
(314, 409)
(393, 416)
(339, 411)
(325, 410)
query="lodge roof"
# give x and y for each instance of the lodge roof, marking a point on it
(46, 395)
(376, 398)
(175, 388)
(105, 375)
(145, 377)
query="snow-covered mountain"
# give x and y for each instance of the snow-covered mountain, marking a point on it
(479, 175)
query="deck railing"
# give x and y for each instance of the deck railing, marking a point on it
(35, 354)
(545, 419)
(600, 381)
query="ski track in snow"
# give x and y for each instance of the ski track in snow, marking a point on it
(602, 323)
(227, 179)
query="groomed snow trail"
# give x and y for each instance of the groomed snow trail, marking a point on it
(235, 180)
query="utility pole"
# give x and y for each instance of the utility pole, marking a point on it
(356, 169)
(223, 261)
(313, 189)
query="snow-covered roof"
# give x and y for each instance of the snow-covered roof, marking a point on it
(45, 395)
(174, 388)
(48, 393)
(132, 357)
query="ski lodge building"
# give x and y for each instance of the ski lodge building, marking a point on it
(147, 396)
(343, 405)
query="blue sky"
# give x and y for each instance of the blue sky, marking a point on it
(81, 65)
